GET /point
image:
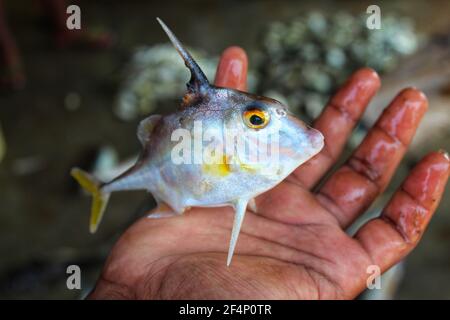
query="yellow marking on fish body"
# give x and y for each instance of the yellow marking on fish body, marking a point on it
(219, 168)
(249, 168)
(246, 166)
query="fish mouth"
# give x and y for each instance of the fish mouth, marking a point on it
(311, 140)
(316, 138)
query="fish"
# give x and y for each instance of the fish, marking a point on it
(222, 147)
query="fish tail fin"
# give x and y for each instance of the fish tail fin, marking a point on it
(99, 198)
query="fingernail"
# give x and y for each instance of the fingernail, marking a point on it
(232, 69)
(444, 153)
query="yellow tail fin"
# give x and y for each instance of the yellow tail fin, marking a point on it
(99, 198)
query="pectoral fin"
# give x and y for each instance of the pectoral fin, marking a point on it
(146, 127)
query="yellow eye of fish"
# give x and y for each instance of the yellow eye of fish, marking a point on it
(256, 118)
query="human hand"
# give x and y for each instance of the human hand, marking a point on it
(294, 246)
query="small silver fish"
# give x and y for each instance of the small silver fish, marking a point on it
(182, 172)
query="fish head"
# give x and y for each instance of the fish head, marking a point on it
(268, 138)
(259, 134)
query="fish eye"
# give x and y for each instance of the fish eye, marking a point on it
(255, 117)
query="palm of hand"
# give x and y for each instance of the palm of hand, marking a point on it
(295, 245)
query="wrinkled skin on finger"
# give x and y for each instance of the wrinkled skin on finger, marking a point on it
(294, 245)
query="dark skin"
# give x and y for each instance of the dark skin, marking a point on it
(294, 246)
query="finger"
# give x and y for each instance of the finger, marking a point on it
(232, 69)
(389, 238)
(284, 202)
(354, 186)
(337, 122)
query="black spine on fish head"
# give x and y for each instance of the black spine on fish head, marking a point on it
(198, 84)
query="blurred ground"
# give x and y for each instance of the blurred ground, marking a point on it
(43, 219)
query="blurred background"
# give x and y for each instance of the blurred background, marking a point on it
(75, 98)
